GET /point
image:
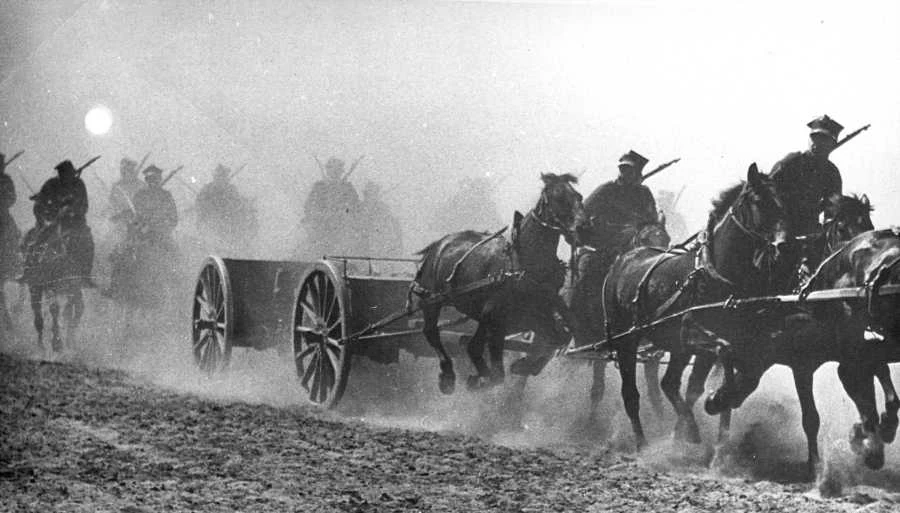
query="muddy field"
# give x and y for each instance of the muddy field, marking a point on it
(134, 428)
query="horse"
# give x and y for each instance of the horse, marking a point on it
(505, 286)
(795, 338)
(745, 228)
(10, 260)
(51, 272)
(583, 299)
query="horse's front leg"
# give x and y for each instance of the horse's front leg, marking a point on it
(72, 313)
(887, 427)
(598, 388)
(475, 350)
(627, 355)
(495, 344)
(446, 378)
(864, 438)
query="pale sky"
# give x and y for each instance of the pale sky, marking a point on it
(432, 92)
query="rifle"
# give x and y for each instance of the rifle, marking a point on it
(88, 163)
(352, 168)
(237, 172)
(321, 167)
(10, 161)
(850, 136)
(172, 174)
(659, 168)
(677, 197)
(143, 161)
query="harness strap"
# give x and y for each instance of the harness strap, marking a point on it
(480, 243)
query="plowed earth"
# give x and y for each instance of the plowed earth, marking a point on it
(78, 437)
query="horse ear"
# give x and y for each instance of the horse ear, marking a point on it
(865, 201)
(753, 175)
(662, 218)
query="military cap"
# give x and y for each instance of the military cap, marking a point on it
(127, 162)
(152, 170)
(825, 125)
(64, 166)
(334, 163)
(633, 159)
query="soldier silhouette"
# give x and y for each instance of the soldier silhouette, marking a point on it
(332, 215)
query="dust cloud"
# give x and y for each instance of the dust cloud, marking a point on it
(432, 94)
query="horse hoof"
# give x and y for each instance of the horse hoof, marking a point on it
(887, 427)
(714, 404)
(474, 383)
(693, 434)
(874, 458)
(447, 383)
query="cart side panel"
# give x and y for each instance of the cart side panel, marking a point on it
(263, 293)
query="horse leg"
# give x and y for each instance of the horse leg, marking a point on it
(864, 438)
(495, 345)
(598, 388)
(56, 341)
(475, 350)
(654, 392)
(803, 382)
(73, 312)
(686, 426)
(630, 396)
(37, 310)
(887, 427)
(447, 378)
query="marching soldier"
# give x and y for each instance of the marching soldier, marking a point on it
(63, 199)
(808, 177)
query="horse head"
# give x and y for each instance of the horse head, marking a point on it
(759, 211)
(845, 218)
(651, 234)
(560, 207)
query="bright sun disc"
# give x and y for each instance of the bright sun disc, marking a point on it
(98, 120)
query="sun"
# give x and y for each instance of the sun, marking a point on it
(98, 120)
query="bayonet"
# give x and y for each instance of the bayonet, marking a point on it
(659, 168)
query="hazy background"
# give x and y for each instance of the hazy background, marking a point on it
(432, 92)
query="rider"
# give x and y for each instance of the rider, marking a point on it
(382, 228)
(218, 201)
(806, 178)
(155, 211)
(612, 207)
(332, 214)
(63, 199)
(806, 181)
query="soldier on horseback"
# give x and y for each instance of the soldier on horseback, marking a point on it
(808, 181)
(9, 231)
(156, 215)
(808, 178)
(332, 214)
(63, 201)
(122, 193)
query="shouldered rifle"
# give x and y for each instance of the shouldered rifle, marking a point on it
(321, 167)
(659, 168)
(140, 166)
(352, 168)
(851, 135)
(86, 164)
(237, 171)
(10, 161)
(172, 174)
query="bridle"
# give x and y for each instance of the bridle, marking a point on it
(554, 224)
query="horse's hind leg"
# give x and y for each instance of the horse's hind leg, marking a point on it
(447, 378)
(495, 343)
(686, 426)
(630, 394)
(654, 392)
(887, 427)
(598, 388)
(803, 382)
(475, 350)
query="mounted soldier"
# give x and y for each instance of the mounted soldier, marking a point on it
(156, 215)
(332, 213)
(471, 207)
(9, 231)
(808, 178)
(122, 192)
(382, 228)
(63, 201)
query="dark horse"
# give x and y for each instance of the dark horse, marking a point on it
(796, 337)
(51, 272)
(505, 286)
(644, 284)
(584, 300)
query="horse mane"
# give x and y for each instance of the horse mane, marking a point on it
(847, 201)
(722, 204)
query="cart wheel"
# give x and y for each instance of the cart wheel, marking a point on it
(213, 317)
(320, 323)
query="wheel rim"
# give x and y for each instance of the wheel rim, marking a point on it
(319, 355)
(211, 321)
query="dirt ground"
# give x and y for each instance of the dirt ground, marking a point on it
(78, 437)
